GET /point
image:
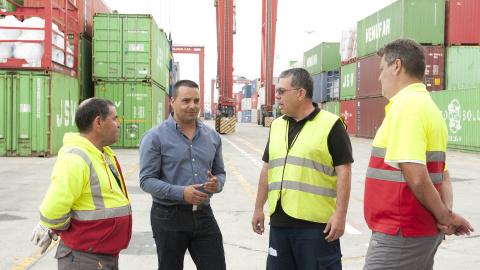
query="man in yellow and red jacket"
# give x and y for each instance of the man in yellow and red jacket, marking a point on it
(87, 203)
(408, 193)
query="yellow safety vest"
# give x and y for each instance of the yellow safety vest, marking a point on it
(303, 176)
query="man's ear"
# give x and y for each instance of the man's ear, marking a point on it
(302, 94)
(97, 122)
(398, 66)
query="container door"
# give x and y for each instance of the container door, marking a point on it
(137, 113)
(114, 93)
(5, 89)
(137, 47)
(27, 113)
(107, 48)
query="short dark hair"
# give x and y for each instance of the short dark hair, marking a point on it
(300, 79)
(187, 83)
(88, 110)
(409, 51)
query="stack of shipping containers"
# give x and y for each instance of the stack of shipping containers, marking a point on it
(459, 103)
(323, 63)
(255, 114)
(423, 21)
(247, 103)
(348, 81)
(131, 67)
(39, 97)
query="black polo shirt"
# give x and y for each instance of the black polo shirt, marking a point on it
(339, 147)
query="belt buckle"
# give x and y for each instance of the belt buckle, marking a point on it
(195, 208)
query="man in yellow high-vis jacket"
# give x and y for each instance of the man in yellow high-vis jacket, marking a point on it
(87, 203)
(306, 176)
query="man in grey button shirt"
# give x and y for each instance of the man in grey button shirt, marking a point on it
(181, 165)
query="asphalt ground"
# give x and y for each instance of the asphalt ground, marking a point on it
(24, 182)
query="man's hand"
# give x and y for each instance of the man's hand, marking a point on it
(258, 221)
(193, 196)
(456, 224)
(212, 184)
(336, 226)
(42, 236)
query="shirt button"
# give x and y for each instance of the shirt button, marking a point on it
(191, 145)
(195, 174)
(193, 159)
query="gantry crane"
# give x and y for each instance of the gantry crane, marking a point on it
(225, 9)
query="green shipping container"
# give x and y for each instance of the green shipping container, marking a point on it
(348, 81)
(333, 107)
(130, 47)
(85, 83)
(37, 109)
(6, 6)
(422, 20)
(462, 114)
(140, 106)
(462, 67)
(322, 58)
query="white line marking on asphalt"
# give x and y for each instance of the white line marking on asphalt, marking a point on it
(350, 229)
(252, 158)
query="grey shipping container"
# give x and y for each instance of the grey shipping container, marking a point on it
(320, 87)
(333, 85)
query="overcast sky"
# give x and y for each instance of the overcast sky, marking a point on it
(192, 22)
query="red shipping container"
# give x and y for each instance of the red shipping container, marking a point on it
(462, 22)
(370, 114)
(85, 22)
(254, 100)
(348, 111)
(238, 102)
(368, 72)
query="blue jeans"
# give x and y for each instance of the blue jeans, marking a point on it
(177, 228)
(302, 249)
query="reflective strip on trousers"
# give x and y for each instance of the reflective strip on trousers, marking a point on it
(293, 185)
(303, 162)
(94, 181)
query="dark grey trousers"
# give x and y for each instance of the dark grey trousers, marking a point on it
(69, 259)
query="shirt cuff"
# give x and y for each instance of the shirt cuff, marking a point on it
(177, 193)
(396, 163)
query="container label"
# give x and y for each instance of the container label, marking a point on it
(455, 114)
(160, 113)
(36, 63)
(38, 97)
(67, 113)
(143, 71)
(117, 104)
(139, 112)
(377, 31)
(136, 47)
(159, 57)
(137, 32)
(25, 108)
(348, 80)
(312, 60)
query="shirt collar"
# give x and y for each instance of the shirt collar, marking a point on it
(416, 87)
(173, 123)
(309, 117)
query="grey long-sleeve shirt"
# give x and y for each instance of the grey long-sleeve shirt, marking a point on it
(169, 161)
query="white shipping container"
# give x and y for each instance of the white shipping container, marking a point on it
(254, 115)
(246, 104)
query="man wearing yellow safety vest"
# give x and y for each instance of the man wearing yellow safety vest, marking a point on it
(87, 203)
(306, 176)
(408, 193)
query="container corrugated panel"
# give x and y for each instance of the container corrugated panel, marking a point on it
(130, 47)
(333, 85)
(246, 116)
(6, 6)
(255, 84)
(238, 101)
(246, 104)
(168, 108)
(368, 71)
(462, 67)
(370, 114)
(254, 116)
(140, 106)
(462, 22)
(254, 100)
(348, 111)
(319, 87)
(239, 116)
(94, 7)
(322, 58)
(348, 81)
(422, 20)
(247, 91)
(85, 83)
(461, 112)
(36, 111)
(434, 67)
(333, 107)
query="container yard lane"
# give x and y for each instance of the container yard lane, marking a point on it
(24, 182)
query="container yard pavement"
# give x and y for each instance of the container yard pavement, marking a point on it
(24, 182)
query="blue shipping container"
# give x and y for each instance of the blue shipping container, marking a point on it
(207, 115)
(246, 116)
(255, 85)
(333, 85)
(247, 91)
(320, 87)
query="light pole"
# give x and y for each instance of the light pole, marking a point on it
(309, 32)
